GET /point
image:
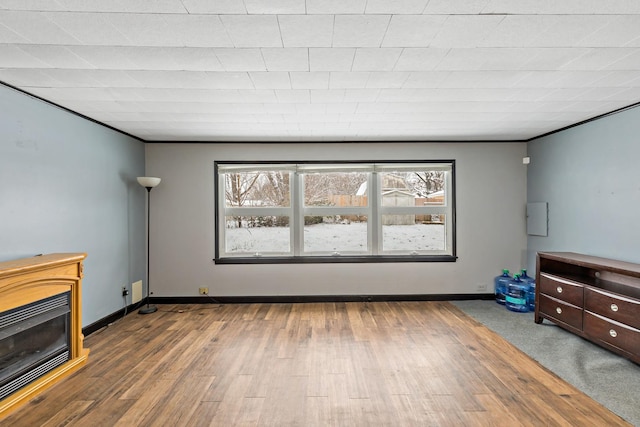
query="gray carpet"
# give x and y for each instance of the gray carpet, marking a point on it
(604, 376)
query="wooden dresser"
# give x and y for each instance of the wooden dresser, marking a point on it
(596, 298)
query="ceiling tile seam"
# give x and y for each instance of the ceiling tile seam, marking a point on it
(109, 12)
(46, 15)
(436, 67)
(507, 14)
(280, 31)
(226, 30)
(10, 30)
(602, 26)
(405, 80)
(333, 29)
(525, 74)
(633, 42)
(250, 77)
(386, 29)
(264, 62)
(589, 51)
(631, 53)
(364, 12)
(353, 60)
(482, 10)
(71, 52)
(185, 7)
(424, 9)
(613, 94)
(626, 83)
(497, 25)
(20, 47)
(113, 28)
(428, 44)
(395, 64)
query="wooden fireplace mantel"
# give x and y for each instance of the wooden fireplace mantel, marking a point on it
(32, 279)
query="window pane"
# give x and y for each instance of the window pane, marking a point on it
(411, 233)
(336, 233)
(258, 188)
(257, 234)
(417, 188)
(336, 189)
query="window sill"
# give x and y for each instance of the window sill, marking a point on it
(337, 259)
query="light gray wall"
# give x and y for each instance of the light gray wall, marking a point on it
(590, 177)
(68, 185)
(490, 184)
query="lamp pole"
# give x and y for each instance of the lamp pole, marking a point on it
(149, 183)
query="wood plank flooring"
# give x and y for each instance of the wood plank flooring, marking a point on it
(324, 364)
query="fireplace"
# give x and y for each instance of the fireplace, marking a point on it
(34, 339)
(41, 338)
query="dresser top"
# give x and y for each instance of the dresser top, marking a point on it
(594, 262)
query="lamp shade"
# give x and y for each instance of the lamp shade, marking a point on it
(148, 181)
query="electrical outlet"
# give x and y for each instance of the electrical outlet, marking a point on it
(203, 291)
(481, 287)
(125, 291)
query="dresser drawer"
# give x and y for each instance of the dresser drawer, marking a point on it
(612, 306)
(561, 289)
(561, 311)
(616, 334)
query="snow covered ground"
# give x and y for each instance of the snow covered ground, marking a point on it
(336, 237)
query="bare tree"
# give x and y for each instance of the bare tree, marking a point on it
(318, 187)
(274, 188)
(238, 187)
(425, 183)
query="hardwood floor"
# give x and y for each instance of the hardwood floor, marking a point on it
(324, 364)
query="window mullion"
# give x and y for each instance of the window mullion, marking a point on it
(222, 217)
(417, 210)
(245, 211)
(297, 216)
(448, 238)
(375, 222)
(327, 211)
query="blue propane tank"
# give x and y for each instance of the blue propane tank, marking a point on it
(531, 294)
(500, 286)
(516, 297)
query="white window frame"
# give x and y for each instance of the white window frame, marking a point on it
(445, 209)
(296, 211)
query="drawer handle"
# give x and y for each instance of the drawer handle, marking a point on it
(558, 310)
(614, 307)
(613, 333)
(559, 289)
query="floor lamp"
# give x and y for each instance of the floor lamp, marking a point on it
(148, 182)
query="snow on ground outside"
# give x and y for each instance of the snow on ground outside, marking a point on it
(336, 237)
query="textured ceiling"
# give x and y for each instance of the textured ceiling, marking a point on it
(326, 70)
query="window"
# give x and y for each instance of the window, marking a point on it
(335, 212)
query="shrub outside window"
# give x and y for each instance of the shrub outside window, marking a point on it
(335, 212)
